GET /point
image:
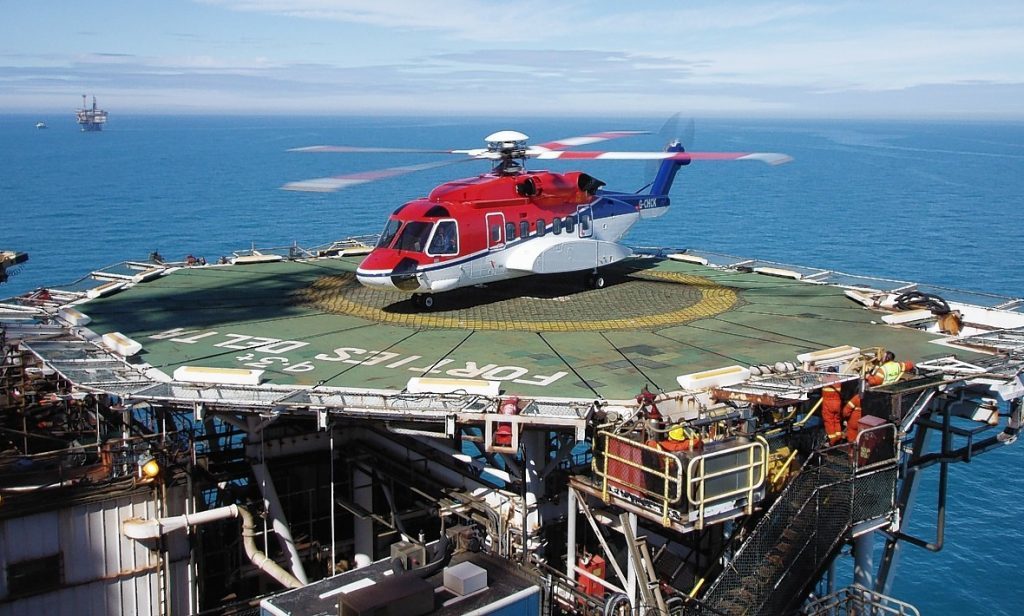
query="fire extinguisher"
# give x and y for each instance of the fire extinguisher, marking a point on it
(503, 435)
(594, 565)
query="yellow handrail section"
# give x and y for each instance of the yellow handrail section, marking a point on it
(754, 469)
(785, 465)
(668, 471)
(810, 413)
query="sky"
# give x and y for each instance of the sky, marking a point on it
(841, 59)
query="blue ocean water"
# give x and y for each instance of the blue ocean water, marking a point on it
(936, 202)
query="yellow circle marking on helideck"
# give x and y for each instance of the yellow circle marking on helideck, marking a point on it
(642, 302)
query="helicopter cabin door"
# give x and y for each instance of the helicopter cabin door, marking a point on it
(484, 269)
(495, 231)
(585, 217)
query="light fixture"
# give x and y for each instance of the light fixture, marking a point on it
(149, 468)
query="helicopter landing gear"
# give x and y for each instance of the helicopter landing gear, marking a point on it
(595, 280)
(423, 300)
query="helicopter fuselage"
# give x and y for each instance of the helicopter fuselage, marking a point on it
(504, 225)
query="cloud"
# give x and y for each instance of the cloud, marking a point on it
(464, 19)
(467, 56)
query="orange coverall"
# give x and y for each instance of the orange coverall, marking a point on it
(833, 412)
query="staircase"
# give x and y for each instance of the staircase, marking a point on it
(791, 544)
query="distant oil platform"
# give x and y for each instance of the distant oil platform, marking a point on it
(91, 119)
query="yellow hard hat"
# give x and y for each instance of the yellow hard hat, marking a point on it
(677, 434)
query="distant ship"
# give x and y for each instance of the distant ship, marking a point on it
(91, 119)
(41, 125)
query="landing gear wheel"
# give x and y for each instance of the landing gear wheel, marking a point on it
(421, 300)
(595, 281)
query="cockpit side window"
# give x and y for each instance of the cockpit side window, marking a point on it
(390, 230)
(445, 240)
(414, 236)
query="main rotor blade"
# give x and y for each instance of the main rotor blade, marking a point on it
(772, 158)
(359, 150)
(570, 142)
(337, 182)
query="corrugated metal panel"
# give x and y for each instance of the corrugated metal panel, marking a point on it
(95, 546)
(32, 536)
(105, 573)
(25, 538)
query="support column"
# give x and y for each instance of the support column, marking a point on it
(535, 450)
(362, 528)
(631, 564)
(570, 540)
(863, 560)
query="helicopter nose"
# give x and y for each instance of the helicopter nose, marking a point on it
(374, 281)
(403, 276)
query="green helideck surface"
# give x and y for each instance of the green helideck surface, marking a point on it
(309, 322)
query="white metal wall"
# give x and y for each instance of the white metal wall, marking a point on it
(104, 572)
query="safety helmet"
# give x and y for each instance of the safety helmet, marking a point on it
(677, 434)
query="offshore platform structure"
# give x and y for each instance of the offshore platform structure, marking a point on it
(91, 119)
(314, 447)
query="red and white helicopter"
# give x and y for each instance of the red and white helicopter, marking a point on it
(511, 222)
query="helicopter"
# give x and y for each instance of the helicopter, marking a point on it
(511, 222)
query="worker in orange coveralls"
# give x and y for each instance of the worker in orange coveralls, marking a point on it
(834, 413)
(890, 371)
(852, 412)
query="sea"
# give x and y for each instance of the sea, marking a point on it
(939, 202)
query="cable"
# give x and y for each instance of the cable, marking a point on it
(567, 364)
(631, 363)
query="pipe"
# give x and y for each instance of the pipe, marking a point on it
(509, 600)
(259, 559)
(611, 606)
(140, 529)
(276, 512)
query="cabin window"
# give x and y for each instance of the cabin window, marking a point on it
(414, 236)
(524, 228)
(510, 231)
(445, 240)
(496, 233)
(570, 224)
(390, 230)
(540, 227)
(584, 224)
(35, 576)
(556, 225)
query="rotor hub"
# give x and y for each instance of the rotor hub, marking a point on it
(510, 147)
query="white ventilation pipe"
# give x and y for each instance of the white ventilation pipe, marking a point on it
(140, 529)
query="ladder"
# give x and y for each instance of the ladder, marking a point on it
(646, 578)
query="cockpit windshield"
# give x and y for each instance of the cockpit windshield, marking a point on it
(390, 230)
(414, 236)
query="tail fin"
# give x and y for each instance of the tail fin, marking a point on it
(667, 171)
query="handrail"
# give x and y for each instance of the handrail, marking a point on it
(669, 471)
(697, 480)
